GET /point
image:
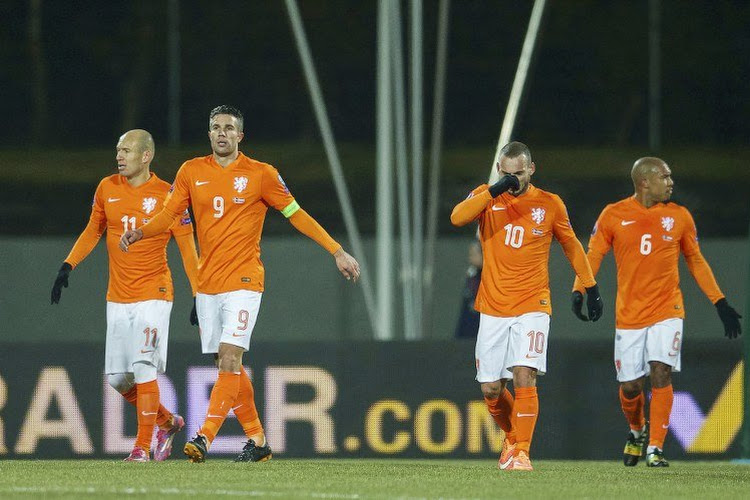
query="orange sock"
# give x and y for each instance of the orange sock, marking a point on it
(633, 410)
(661, 407)
(246, 412)
(500, 408)
(525, 413)
(147, 406)
(223, 397)
(163, 416)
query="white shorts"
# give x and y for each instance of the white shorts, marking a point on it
(137, 332)
(635, 348)
(503, 343)
(227, 318)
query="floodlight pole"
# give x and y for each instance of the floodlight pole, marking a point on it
(433, 190)
(416, 160)
(408, 270)
(339, 180)
(519, 82)
(384, 181)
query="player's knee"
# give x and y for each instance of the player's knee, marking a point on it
(230, 358)
(144, 372)
(492, 390)
(121, 382)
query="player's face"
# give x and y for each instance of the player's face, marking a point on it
(225, 135)
(659, 184)
(131, 161)
(519, 167)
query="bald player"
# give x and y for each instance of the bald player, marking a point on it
(517, 222)
(648, 233)
(139, 294)
(230, 194)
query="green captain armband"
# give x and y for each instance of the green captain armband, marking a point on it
(290, 209)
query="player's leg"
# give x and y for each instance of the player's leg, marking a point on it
(631, 367)
(239, 315)
(529, 337)
(124, 383)
(663, 346)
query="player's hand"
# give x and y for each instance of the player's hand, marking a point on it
(60, 282)
(577, 302)
(505, 183)
(347, 264)
(129, 237)
(729, 317)
(194, 315)
(594, 303)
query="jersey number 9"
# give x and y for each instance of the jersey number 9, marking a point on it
(218, 206)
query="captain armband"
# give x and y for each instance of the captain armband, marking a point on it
(290, 209)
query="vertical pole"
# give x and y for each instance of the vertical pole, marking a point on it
(436, 140)
(416, 152)
(654, 75)
(384, 182)
(402, 174)
(173, 69)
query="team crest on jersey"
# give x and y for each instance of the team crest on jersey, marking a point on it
(537, 215)
(667, 223)
(240, 183)
(149, 204)
(286, 189)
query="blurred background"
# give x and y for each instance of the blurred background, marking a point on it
(609, 81)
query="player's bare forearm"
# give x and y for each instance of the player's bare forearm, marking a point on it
(468, 210)
(347, 265)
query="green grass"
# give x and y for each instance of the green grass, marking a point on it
(363, 479)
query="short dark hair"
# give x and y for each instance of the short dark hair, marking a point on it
(514, 149)
(225, 109)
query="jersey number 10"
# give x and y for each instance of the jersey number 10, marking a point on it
(513, 235)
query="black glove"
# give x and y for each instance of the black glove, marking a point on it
(193, 315)
(505, 183)
(594, 304)
(729, 317)
(60, 281)
(577, 302)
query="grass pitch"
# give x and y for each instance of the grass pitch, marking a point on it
(363, 479)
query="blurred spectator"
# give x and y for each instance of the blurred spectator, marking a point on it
(468, 319)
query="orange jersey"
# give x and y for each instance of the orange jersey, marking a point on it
(142, 273)
(516, 233)
(647, 243)
(229, 205)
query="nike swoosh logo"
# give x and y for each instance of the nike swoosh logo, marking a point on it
(213, 416)
(671, 354)
(147, 414)
(531, 357)
(627, 222)
(235, 335)
(495, 208)
(146, 352)
(200, 183)
(504, 465)
(520, 415)
(112, 200)
(664, 426)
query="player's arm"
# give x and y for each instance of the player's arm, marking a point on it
(469, 209)
(186, 243)
(573, 250)
(704, 276)
(277, 195)
(83, 246)
(176, 203)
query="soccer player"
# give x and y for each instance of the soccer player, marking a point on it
(139, 295)
(516, 224)
(648, 232)
(230, 194)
